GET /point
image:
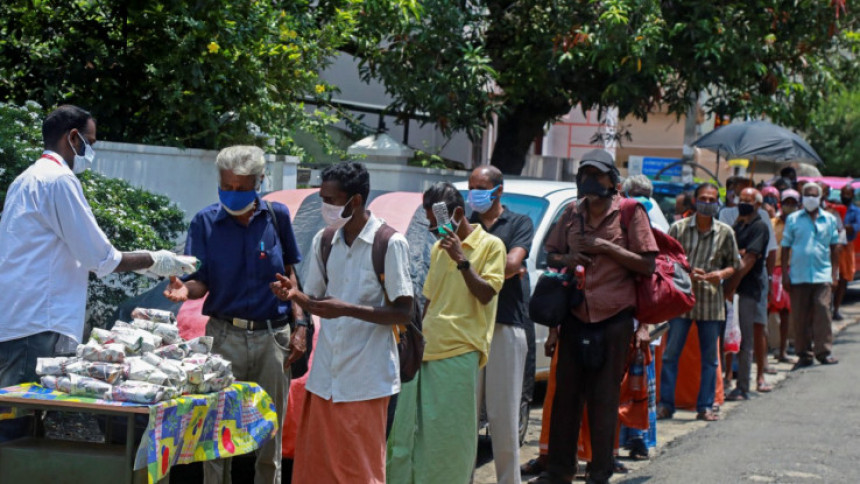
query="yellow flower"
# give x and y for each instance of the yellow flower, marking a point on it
(320, 88)
(213, 47)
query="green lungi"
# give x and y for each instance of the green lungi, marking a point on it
(434, 438)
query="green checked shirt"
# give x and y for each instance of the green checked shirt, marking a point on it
(711, 251)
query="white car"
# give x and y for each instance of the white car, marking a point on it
(543, 201)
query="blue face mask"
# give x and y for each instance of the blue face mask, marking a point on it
(235, 202)
(481, 200)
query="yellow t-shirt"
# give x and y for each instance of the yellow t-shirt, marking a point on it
(456, 322)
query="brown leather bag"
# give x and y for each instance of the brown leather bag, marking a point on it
(410, 340)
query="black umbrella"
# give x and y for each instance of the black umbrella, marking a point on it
(761, 141)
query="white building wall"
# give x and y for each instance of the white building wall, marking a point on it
(188, 177)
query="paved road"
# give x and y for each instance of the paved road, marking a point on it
(807, 433)
(757, 428)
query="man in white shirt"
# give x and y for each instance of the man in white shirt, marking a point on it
(356, 367)
(49, 243)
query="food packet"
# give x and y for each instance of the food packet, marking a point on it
(132, 343)
(53, 366)
(137, 368)
(101, 336)
(155, 315)
(49, 382)
(219, 365)
(213, 382)
(108, 372)
(202, 344)
(138, 392)
(109, 353)
(83, 386)
(173, 369)
(199, 360)
(148, 341)
(169, 333)
(171, 352)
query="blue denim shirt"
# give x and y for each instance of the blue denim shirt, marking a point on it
(810, 244)
(237, 263)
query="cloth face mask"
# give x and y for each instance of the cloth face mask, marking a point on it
(237, 202)
(707, 209)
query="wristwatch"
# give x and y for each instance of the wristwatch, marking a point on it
(302, 322)
(463, 265)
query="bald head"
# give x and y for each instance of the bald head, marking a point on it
(489, 173)
(750, 195)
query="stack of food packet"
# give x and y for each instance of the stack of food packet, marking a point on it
(145, 361)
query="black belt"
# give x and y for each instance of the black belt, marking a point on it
(254, 324)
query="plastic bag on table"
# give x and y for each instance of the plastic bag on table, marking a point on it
(53, 366)
(84, 386)
(136, 368)
(732, 337)
(49, 382)
(156, 315)
(57, 383)
(109, 353)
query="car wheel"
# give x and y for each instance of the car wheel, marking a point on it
(524, 420)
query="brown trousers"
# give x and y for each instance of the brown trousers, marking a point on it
(599, 389)
(810, 320)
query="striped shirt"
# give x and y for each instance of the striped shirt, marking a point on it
(711, 251)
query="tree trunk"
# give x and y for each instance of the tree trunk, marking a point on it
(518, 127)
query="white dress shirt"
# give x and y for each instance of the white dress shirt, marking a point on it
(49, 243)
(355, 360)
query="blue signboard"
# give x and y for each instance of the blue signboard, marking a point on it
(651, 165)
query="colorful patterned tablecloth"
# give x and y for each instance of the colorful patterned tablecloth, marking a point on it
(191, 428)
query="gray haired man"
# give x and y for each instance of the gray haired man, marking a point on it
(242, 244)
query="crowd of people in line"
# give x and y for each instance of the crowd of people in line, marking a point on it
(777, 249)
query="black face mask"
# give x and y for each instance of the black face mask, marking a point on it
(847, 201)
(590, 186)
(745, 209)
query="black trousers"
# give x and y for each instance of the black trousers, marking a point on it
(579, 384)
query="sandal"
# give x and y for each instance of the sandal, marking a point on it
(638, 450)
(620, 468)
(737, 395)
(663, 412)
(770, 370)
(707, 416)
(763, 387)
(532, 467)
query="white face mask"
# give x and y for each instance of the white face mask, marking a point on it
(331, 214)
(82, 162)
(811, 204)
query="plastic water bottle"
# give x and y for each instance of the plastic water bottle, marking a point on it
(580, 276)
(443, 219)
(637, 372)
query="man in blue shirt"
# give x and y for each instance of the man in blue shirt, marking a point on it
(846, 262)
(242, 244)
(810, 265)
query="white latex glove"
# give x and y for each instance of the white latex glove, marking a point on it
(166, 264)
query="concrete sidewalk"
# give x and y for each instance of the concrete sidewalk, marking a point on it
(683, 421)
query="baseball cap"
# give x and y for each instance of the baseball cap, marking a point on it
(790, 194)
(599, 159)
